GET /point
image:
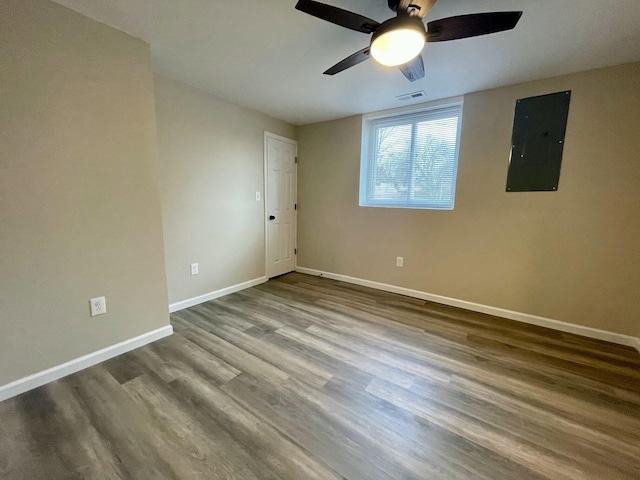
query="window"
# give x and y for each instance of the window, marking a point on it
(410, 160)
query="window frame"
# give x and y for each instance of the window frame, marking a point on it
(391, 117)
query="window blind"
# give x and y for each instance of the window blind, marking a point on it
(412, 160)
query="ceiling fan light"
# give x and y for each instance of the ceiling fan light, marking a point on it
(395, 46)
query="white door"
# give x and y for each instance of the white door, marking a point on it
(281, 190)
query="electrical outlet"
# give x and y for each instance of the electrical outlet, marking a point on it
(399, 261)
(195, 269)
(258, 196)
(98, 306)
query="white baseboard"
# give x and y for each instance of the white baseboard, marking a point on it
(25, 384)
(191, 302)
(477, 307)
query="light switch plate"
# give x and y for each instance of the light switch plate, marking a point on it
(258, 196)
(98, 306)
(195, 269)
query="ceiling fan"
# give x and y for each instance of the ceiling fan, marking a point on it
(398, 42)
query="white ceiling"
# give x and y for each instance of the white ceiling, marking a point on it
(266, 55)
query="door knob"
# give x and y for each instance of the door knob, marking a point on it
(272, 217)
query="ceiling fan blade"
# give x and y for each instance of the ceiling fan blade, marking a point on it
(336, 15)
(413, 70)
(349, 62)
(465, 26)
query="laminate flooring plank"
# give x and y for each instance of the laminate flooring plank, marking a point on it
(328, 363)
(319, 291)
(446, 450)
(615, 393)
(491, 355)
(288, 292)
(235, 356)
(123, 369)
(71, 431)
(388, 320)
(193, 453)
(267, 312)
(474, 322)
(456, 355)
(27, 439)
(204, 314)
(340, 294)
(178, 323)
(397, 361)
(364, 430)
(364, 419)
(526, 379)
(313, 431)
(593, 344)
(556, 345)
(617, 376)
(236, 306)
(150, 361)
(380, 296)
(125, 427)
(597, 441)
(192, 358)
(578, 448)
(440, 324)
(217, 312)
(284, 312)
(335, 319)
(295, 365)
(350, 357)
(539, 460)
(278, 452)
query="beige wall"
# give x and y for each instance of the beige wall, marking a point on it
(79, 203)
(571, 255)
(211, 154)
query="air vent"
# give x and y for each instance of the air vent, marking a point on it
(411, 96)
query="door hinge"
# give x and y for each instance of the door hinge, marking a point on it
(295, 251)
(296, 159)
(295, 206)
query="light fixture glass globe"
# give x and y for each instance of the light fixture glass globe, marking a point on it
(397, 47)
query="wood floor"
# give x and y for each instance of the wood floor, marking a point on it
(308, 378)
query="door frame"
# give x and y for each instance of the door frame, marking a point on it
(265, 199)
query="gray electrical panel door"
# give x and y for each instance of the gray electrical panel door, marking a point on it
(537, 143)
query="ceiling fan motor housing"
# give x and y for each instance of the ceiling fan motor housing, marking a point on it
(400, 22)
